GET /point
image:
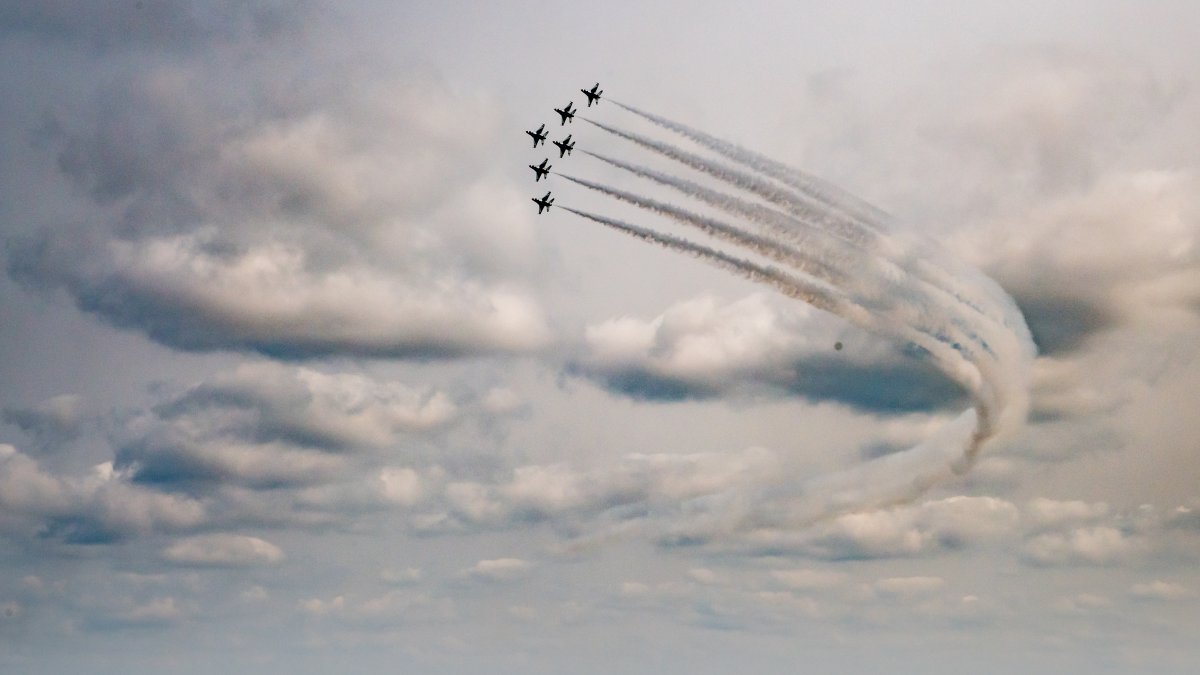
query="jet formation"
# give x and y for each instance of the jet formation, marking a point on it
(565, 146)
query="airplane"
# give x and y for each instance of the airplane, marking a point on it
(565, 146)
(541, 170)
(539, 136)
(543, 203)
(593, 95)
(567, 114)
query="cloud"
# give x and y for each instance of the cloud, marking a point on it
(1042, 513)
(223, 550)
(52, 422)
(500, 569)
(701, 349)
(101, 507)
(266, 425)
(166, 24)
(1159, 590)
(157, 612)
(1100, 545)
(244, 222)
(341, 411)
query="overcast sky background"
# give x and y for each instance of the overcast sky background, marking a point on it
(294, 378)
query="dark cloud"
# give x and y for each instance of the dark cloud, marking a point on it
(1061, 325)
(889, 388)
(51, 423)
(704, 349)
(161, 24)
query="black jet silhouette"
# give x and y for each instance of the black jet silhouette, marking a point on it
(541, 169)
(539, 136)
(566, 114)
(543, 203)
(593, 95)
(565, 146)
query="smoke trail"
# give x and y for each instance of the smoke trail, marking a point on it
(794, 203)
(814, 293)
(842, 256)
(856, 268)
(949, 360)
(806, 263)
(839, 224)
(819, 189)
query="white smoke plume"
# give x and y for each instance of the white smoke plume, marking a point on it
(840, 255)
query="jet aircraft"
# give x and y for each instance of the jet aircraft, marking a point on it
(539, 136)
(541, 170)
(565, 146)
(593, 95)
(543, 203)
(566, 113)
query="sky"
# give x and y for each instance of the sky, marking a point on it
(293, 376)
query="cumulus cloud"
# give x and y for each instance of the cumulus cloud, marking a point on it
(1042, 513)
(268, 425)
(245, 222)
(51, 422)
(703, 348)
(223, 550)
(499, 569)
(1100, 545)
(166, 24)
(931, 527)
(100, 507)
(1160, 590)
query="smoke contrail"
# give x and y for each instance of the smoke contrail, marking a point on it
(814, 293)
(809, 264)
(850, 264)
(818, 215)
(797, 236)
(819, 189)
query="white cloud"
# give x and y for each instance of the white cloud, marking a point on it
(1100, 545)
(500, 569)
(100, 507)
(1160, 590)
(247, 226)
(1042, 513)
(223, 550)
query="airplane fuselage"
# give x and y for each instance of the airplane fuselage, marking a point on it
(593, 96)
(543, 203)
(567, 114)
(539, 136)
(540, 170)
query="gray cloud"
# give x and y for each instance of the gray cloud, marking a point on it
(701, 349)
(102, 507)
(244, 222)
(52, 422)
(165, 24)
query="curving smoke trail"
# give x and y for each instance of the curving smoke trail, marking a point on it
(841, 257)
(807, 241)
(922, 259)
